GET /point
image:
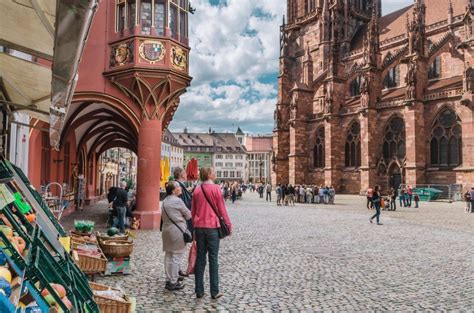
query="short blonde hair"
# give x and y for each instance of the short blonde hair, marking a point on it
(205, 172)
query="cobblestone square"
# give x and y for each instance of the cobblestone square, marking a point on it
(320, 257)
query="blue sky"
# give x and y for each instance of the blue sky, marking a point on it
(234, 64)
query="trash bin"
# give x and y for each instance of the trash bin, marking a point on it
(428, 194)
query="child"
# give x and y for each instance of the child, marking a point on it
(416, 198)
(387, 203)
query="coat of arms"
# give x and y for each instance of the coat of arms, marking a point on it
(152, 51)
(178, 58)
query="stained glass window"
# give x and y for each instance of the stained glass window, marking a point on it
(160, 17)
(355, 86)
(394, 139)
(145, 16)
(318, 151)
(446, 140)
(352, 147)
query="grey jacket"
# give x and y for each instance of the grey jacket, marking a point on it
(174, 208)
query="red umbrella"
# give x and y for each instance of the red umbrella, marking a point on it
(192, 169)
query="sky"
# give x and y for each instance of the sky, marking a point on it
(234, 65)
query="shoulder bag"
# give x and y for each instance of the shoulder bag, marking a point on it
(223, 229)
(187, 236)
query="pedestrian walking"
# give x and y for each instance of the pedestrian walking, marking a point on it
(207, 208)
(416, 198)
(467, 198)
(291, 195)
(268, 189)
(402, 198)
(278, 192)
(175, 215)
(393, 198)
(369, 195)
(409, 196)
(120, 205)
(376, 202)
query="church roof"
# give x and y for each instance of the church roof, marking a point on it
(394, 24)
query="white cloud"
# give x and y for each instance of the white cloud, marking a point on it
(233, 46)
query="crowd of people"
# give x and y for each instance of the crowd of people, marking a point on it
(287, 194)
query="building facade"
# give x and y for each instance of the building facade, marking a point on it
(229, 160)
(366, 99)
(174, 151)
(199, 146)
(259, 158)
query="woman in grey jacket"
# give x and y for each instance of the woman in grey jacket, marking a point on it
(174, 210)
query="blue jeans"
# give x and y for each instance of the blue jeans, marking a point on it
(377, 211)
(207, 241)
(121, 212)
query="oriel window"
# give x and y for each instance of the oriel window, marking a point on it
(160, 17)
(145, 16)
(120, 17)
(132, 7)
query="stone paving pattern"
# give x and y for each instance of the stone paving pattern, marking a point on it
(319, 257)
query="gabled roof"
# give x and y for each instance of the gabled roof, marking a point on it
(228, 142)
(239, 132)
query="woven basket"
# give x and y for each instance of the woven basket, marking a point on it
(122, 248)
(92, 265)
(109, 305)
(105, 237)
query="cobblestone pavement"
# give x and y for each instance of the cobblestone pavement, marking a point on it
(320, 258)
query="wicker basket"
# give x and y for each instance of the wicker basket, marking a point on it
(105, 237)
(116, 248)
(91, 264)
(109, 305)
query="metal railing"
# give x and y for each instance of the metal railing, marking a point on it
(450, 192)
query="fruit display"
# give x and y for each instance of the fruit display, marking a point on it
(84, 226)
(112, 231)
(37, 273)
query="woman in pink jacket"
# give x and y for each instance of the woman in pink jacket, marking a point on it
(207, 198)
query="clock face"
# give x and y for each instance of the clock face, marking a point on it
(178, 58)
(152, 51)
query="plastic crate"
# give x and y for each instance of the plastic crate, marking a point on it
(5, 173)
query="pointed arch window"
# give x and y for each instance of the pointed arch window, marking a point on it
(434, 71)
(394, 139)
(446, 140)
(352, 147)
(355, 86)
(392, 79)
(318, 150)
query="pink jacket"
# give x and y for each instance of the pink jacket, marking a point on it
(202, 213)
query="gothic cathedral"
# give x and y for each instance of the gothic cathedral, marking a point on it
(366, 99)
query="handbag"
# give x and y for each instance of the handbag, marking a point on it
(223, 229)
(187, 236)
(192, 258)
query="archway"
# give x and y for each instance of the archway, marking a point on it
(395, 175)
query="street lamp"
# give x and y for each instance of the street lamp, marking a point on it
(260, 164)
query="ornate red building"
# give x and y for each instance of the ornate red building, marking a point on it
(133, 70)
(366, 99)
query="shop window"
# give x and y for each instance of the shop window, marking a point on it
(318, 150)
(392, 79)
(446, 140)
(145, 16)
(434, 71)
(352, 147)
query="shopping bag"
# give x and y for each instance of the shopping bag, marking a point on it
(192, 258)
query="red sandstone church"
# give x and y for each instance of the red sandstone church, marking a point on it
(133, 70)
(366, 99)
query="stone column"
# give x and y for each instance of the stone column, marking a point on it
(368, 154)
(149, 174)
(333, 155)
(415, 143)
(298, 157)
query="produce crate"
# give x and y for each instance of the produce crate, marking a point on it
(91, 264)
(116, 248)
(108, 304)
(118, 266)
(105, 237)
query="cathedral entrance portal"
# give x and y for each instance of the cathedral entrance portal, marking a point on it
(395, 176)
